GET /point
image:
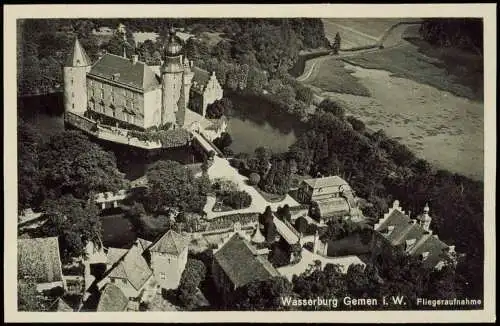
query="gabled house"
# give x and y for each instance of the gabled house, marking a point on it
(130, 272)
(238, 263)
(39, 259)
(414, 237)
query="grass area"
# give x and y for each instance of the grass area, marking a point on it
(273, 198)
(446, 69)
(333, 76)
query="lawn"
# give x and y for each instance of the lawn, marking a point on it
(446, 69)
(333, 76)
(273, 198)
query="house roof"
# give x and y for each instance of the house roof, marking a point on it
(333, 181)
(241, 264)
(78, 57)
(138, 75)
(39, 258)
(405, 229)
(60, 305)
(436, 249)
(332, 206)
(114, 254)
(112, 299)
(171, 243)
(285, 231)
(133, 267)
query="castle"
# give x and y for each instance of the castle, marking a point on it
(126, 93)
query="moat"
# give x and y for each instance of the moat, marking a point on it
(254, 122)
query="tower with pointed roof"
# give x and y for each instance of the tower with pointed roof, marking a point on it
(168, 258)
(425, 219)
(172, 78)
(75, 71)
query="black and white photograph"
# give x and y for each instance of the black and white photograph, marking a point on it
(169, 159)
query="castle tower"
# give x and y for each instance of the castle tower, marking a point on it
(188, 77)
(173, 103)
(75, 80)
(424, 219)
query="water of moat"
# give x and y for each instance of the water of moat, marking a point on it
(254, 122)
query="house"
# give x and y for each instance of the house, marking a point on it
(329, 197)
(112, 299)
(238, 263)
(147, 266)
(322, 188)
(39, 259)
(168, 258)
(414, 236)
(130, 272)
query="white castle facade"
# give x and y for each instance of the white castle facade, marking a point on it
(127, 93)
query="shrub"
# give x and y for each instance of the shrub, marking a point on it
(254, 179)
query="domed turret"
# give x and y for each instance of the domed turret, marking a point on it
(174, 46)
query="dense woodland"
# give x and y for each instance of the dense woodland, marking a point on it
(255, 57)
(463, 33)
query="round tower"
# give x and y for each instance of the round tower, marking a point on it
(75, 80)
(172, 72)
(425, 219)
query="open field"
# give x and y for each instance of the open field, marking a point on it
(356, 32)
(437, 125)
(447, 69)
(336, 78)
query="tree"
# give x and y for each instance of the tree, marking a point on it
(191, 277)
(333, 107)
(301, 225)
(172, 185)
(29, 184)
(336, 44)
(75, 221)
(254, 179)
(223, 141)
(357, 124)
(262, 295)
(304, 94)
(219, 108)
(71, 163)
(237, 199)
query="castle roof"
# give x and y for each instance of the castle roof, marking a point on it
(170, 243)
(123, 71)
(242, 264)
(39, 258)
(333, 181)
(78, 57)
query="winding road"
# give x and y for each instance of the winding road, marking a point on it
(312, 66)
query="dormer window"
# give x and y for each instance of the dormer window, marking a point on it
(116, 76)
(409, 244)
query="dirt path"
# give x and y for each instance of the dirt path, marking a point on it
(386, 40)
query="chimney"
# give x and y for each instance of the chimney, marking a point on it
(135, 58)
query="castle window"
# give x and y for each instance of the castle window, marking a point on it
(72, 94)
(73, 105)
(102, 93)
(163, 276)
(112, 280)
(71, 81)
(124, 281)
